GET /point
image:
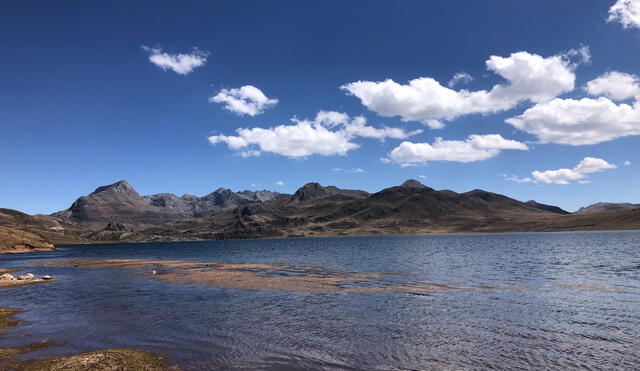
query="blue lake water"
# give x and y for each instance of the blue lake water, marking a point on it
(575, 303)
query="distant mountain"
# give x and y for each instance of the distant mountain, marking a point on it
(117, 212)
(312, 191)
(551, 208)
(412, 183)
(316, 210)
(120, 203)
(606, 206)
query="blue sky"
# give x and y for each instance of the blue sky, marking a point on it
(95, 92)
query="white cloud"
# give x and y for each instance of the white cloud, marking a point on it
(358, 128)
(615, 85)
(332, 118)
(530, 77)
(336, 169)
(516, 179)
(246, 100)
(627, 12)
(422, 176)
(250, 153)
(474, 148)
(627, 163)
(322, 136)
(588, 165)
(178, 63)
(357, 170)
(579, 122)
(460, 78)
(279, 182)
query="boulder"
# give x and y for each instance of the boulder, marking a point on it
(47, 277)
(26, 277)
(7, 277)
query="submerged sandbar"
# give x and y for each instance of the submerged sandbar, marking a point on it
(288, 277)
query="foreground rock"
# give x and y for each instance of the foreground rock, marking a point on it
(7, 279)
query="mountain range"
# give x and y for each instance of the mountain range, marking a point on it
(117, 212)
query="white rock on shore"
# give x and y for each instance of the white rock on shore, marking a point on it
(7, 277)
(26, 277)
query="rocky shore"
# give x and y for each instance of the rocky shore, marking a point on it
(7, 279)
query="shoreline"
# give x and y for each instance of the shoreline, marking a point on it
(435, 234)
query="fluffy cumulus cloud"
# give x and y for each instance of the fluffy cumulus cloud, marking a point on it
(587, 166)
(627, 12)
(529, 77)
(579, 121)
(178, 63)
(330, 133)
(474, 148)
(246, 100)
(615, 85)
(460, 78)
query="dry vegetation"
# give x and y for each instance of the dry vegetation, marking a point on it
(293, 277)
(15, 240)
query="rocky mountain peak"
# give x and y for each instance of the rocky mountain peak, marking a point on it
(309, 191)
(121, 187)
(412, 183)
(314, 190)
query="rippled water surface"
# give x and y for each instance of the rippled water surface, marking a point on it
(544, 300)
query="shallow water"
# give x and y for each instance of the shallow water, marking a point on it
(532, 300)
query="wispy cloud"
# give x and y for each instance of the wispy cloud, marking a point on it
(460, 78)
(513, 178)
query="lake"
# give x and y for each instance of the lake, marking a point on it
(520, 300)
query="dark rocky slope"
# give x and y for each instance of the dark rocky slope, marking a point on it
(120, 203)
